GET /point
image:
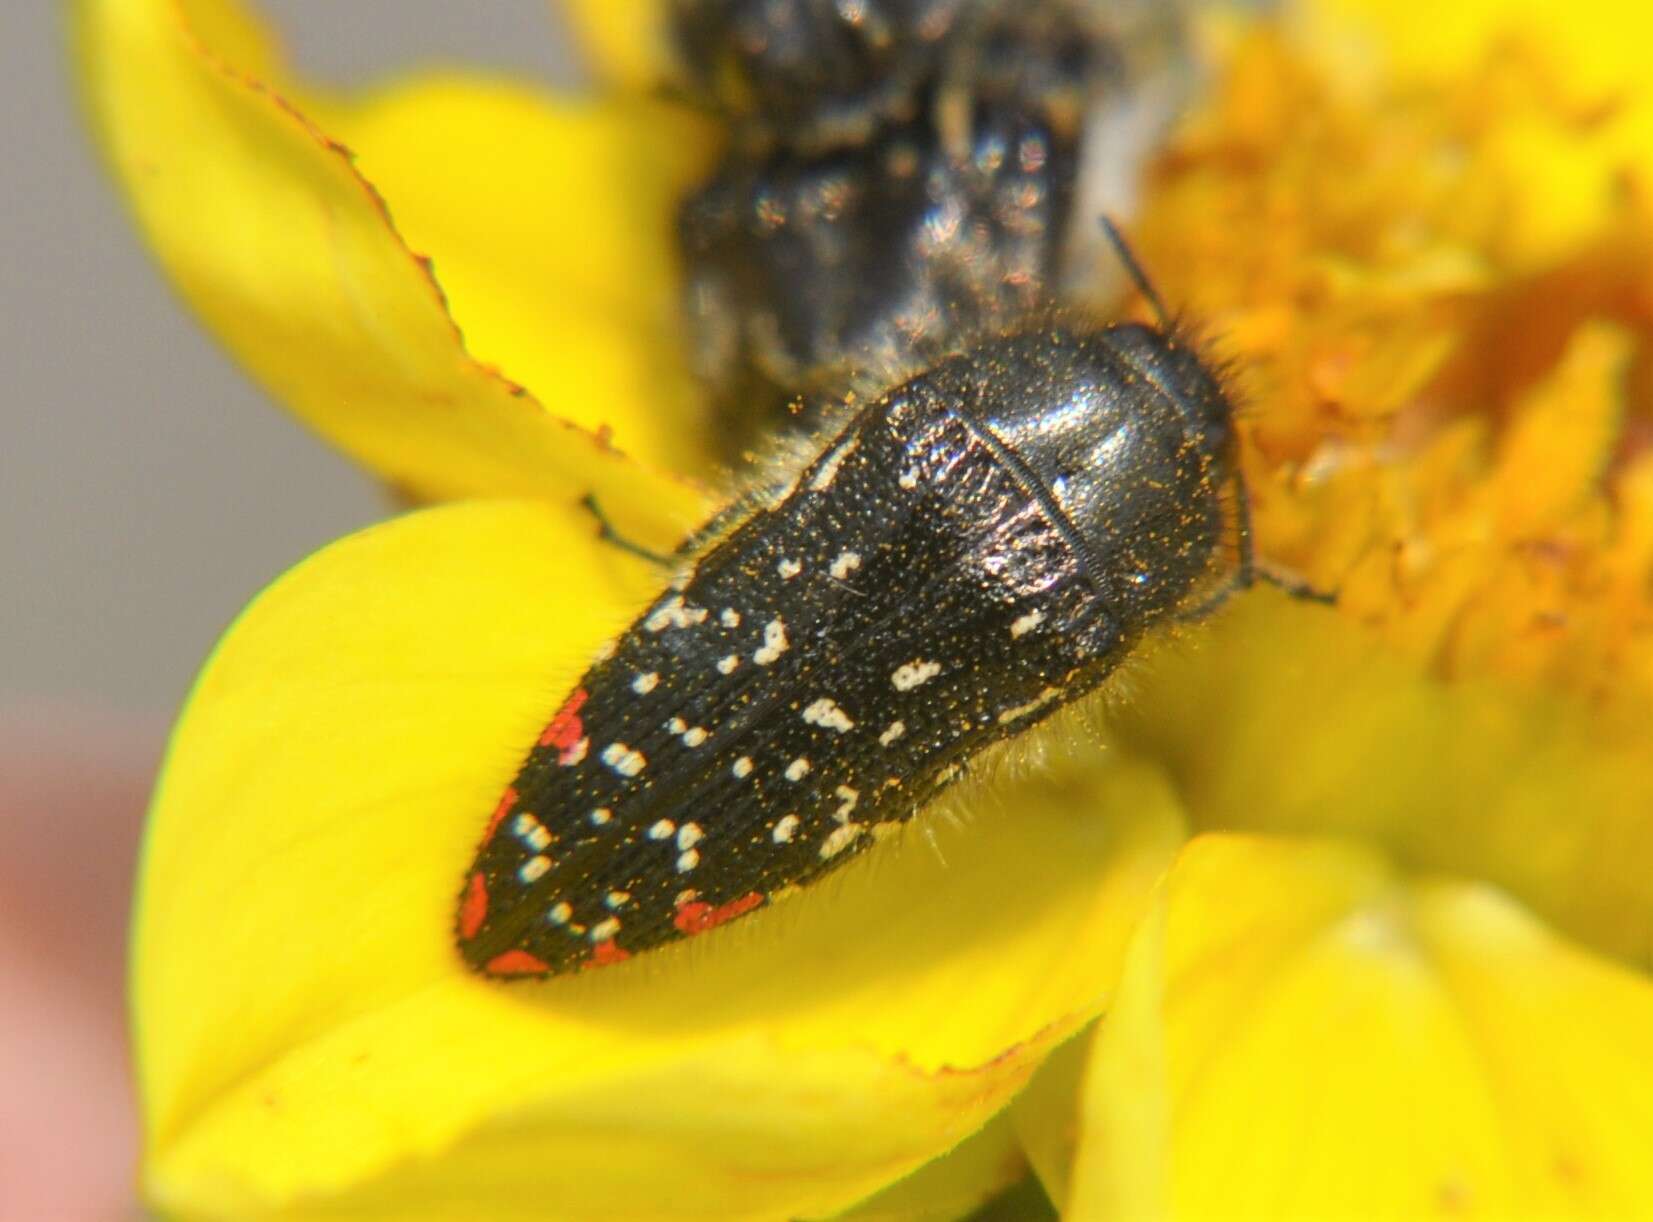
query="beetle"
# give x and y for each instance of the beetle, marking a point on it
(978, 547)
(1014, 497)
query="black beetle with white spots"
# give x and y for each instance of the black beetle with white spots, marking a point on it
(979, 547)
(1020, 498)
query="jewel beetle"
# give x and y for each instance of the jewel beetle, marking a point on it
(978, 547)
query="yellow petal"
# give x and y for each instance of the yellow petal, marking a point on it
(1290, 718)
(1598, 41)
(628, 42)
(1561, 90)
(1299, 1035)
(955, 1185)
(1563, 434)
(1046, 1117)
(291, 257)
(1566, 1044)
(550, 224)
(306, 1032)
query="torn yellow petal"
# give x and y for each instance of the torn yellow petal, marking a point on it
(627, 42)
(955, 1185)
(290, 255)
(1297, 1034)
(306, 1031)
(551, 227)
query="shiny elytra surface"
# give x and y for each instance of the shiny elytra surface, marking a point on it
(979, 547)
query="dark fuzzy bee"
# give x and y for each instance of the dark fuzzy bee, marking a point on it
(903, 176)
(979, 547)
(816, 73)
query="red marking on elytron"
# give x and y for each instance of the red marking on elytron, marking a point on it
(566, 728)
(606, 952)
(475, 908)
(700, 916)
(517, 963)
(500, 811)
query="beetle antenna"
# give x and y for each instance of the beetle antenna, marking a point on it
(1133, 269)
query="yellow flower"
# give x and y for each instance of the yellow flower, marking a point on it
(1363, 893)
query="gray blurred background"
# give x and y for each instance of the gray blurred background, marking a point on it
(147, 490)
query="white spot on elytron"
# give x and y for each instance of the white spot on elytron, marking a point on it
(908, 479)
(829, 716)
(785, 829)
(662, 829)
(605, 651)
(797, 769)
(844, 564)
(896, 730)
(730, 618)
(1032, 706)
(840, 839)
(560, 912)
(675, 614)
(774, 642)
(829, 469)
(687, 860)
(600, 816)
(623, 759)
(692, 736)
(686, 896)
(914, 674)
(617, 899)
(789, 568)
(534, 868)
(666, 616)
(847, 798)
(643, 684)
(742, 768)
(574, 754)
(689, 835)
(531, 832)
(1026, 624)
(605, 929)
(726, 665)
